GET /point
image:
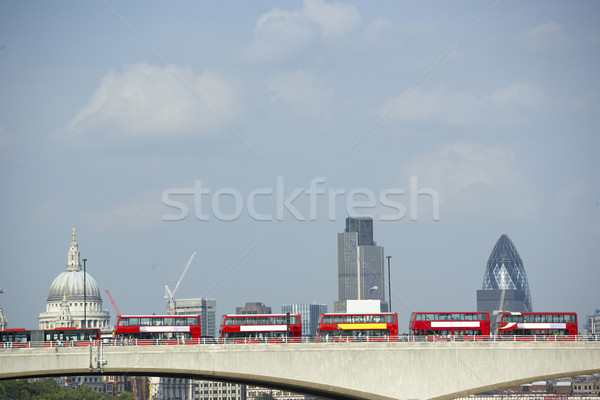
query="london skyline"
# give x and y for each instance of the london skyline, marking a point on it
(105, 107)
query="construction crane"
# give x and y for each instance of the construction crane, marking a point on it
(113, 303)
(169, 295)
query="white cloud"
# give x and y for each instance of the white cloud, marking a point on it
(454, 107)
(279, 33)
(304, 93)
(523, 93)
(548, 35)
(474, 179)
(440, 105)
(335, 19)
(145, 100)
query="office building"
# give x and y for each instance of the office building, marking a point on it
(360, 264)
(309, 315)
(253, 308)
(592, 324)
(505, 286)
(206, 308)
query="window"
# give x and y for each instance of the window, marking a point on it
(390, 318)
(420, 317)
(327, 319)
(457, 317)
(359, 318)
(145, 321)
(444, 317)
(482, 317)
(348, 319)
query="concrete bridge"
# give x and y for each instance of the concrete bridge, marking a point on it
(428, 370)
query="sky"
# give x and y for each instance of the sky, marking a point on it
(248, 131)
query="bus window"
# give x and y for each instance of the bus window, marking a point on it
(327, 319)
(262, 320)
(337, 319)
(251, 320)
(145, 321)
(457, 317)
(348, 319)
(379, 318)
(390, 318)
(482, 316)
(444, 317)
(420, 317)
(359, 318)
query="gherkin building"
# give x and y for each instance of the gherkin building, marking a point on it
(505, 278)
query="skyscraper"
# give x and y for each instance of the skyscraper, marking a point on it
(360, 264)
(505, 286)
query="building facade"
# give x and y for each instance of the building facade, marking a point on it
(360, 264)
(309, 315)
(592, 324)
(3, 323)
(253, 308)
(206, 308)
(69, 302)
(505, 286)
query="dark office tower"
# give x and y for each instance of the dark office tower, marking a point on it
(364, 227)
(505, 286)
(360, 265)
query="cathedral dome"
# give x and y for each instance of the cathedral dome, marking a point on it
(70, 284)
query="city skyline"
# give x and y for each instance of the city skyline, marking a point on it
(449, 124)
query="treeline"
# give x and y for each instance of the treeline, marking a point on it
(48, 389)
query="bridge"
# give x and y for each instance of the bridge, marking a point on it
(404, 370)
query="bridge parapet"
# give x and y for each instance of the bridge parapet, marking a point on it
(403, 370)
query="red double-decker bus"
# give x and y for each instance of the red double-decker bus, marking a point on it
(68, 336)
(352, 327)
(444, 324)
(559, 324)
(255, 328)
(158, 329)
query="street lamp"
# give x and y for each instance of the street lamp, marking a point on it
(389, 285)
(84, 296)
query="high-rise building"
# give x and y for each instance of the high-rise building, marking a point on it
(206, 308)
(360, 264)
(592, 324)
(309, 315)
(505, 286)
(253, 308)
(2, 317)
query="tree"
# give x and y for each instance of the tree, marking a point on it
(265, 396)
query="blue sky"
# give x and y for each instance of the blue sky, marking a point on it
(108, 108)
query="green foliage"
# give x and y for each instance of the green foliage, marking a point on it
(48, 389)
(125, 396)
(265, 396)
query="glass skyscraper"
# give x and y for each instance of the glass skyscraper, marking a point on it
(505, 286)
(360, 264)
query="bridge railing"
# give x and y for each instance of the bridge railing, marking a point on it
(306, 339)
